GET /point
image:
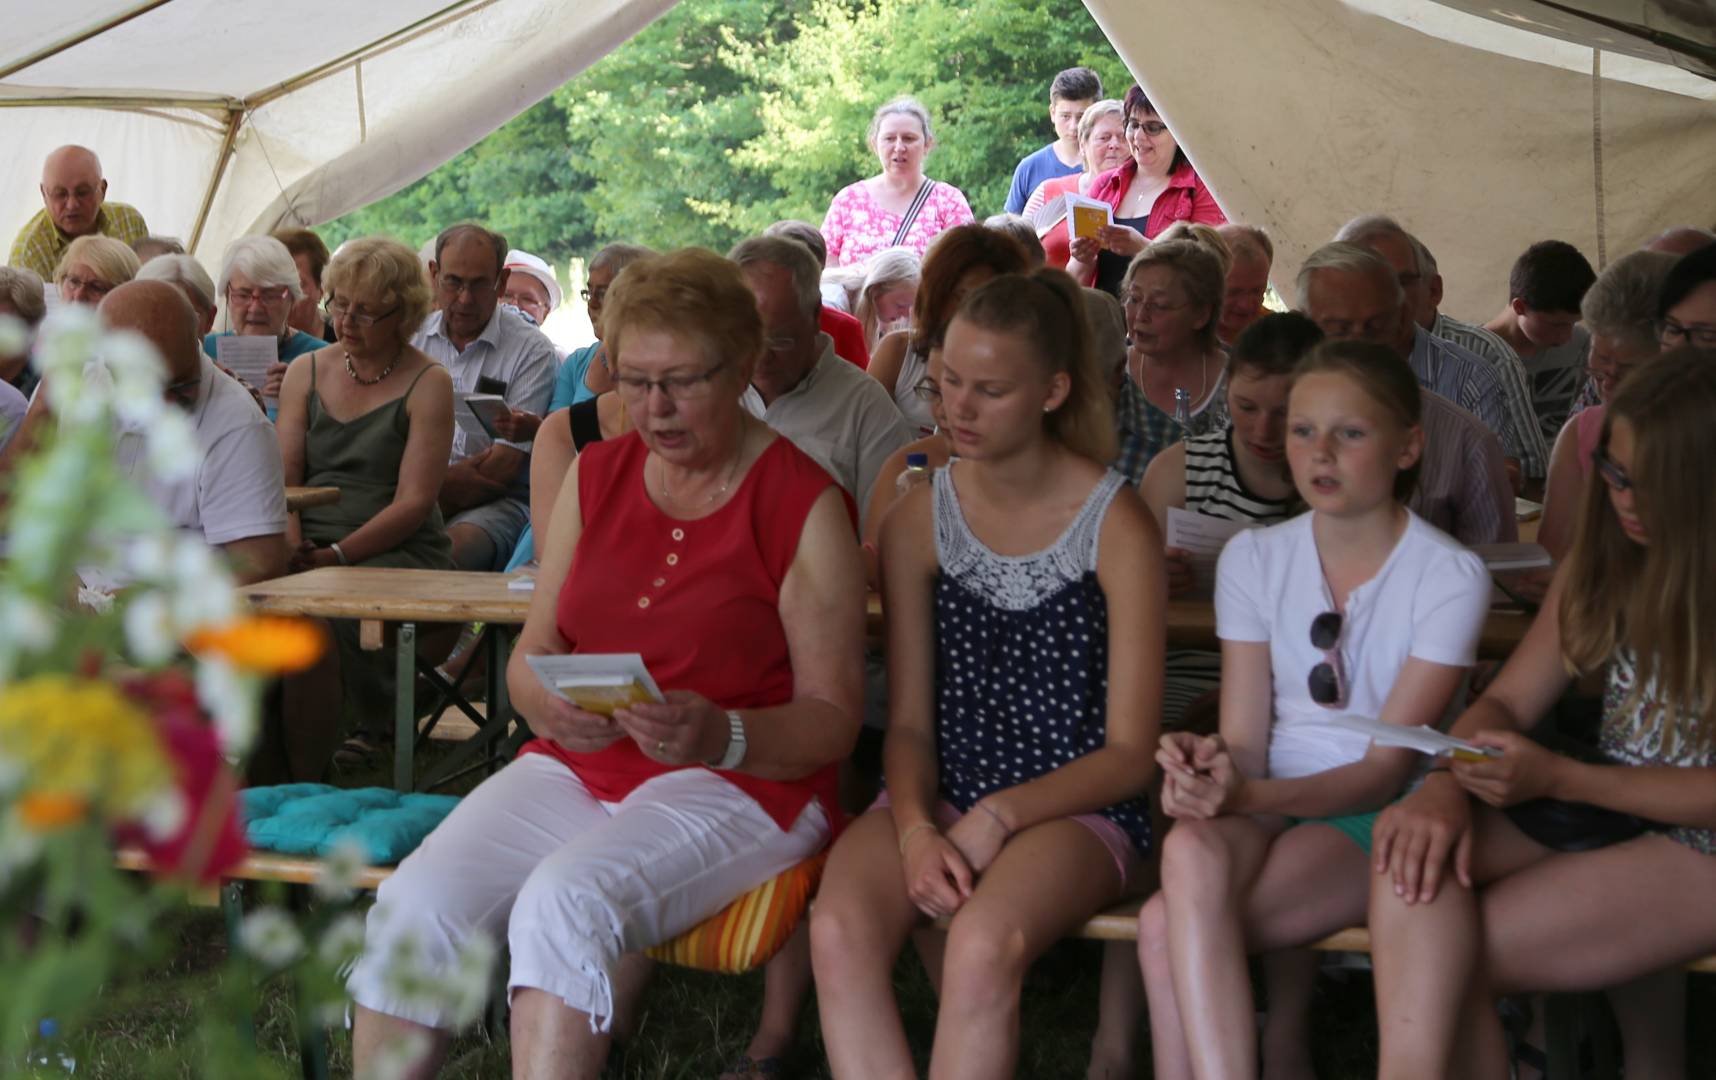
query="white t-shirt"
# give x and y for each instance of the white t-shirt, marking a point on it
(238, 490)
(1428, 600)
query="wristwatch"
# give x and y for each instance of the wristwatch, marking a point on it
(735, 743)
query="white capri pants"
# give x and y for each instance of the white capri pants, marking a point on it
(574, 882)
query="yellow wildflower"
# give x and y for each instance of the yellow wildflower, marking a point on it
(75, 744)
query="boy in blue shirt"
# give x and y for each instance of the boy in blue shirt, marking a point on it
(1073, 91)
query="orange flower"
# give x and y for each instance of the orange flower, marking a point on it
(262, 644)
(45, 811)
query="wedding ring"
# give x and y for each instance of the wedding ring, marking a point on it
(660, 747)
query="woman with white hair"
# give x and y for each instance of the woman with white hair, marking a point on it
(1102, 147)
(188, 274)
(899, 206)
(259, 282)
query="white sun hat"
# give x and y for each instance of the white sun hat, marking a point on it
(523, 262)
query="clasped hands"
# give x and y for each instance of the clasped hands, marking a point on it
(941, 868)
(686, 729)
(1199, 778)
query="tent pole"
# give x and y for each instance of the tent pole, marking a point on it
(234, 122)
(102, 27)
(458, 8)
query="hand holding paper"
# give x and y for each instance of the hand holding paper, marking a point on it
(1425, 740)
(1200, 538)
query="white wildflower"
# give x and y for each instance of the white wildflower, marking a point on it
(163, 815)
(14, 336)
(342, 941)
(148, 558)
(149, 631)
(19, 848)
(398, 1057)
(337, 877)
(95, 598)
(471, 981)
(28, 623)
(131, 357)
(227, 694)
(271, 937)
(202, 589)
(173, 450)
(11, 774)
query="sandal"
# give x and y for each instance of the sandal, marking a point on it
(747, 1067)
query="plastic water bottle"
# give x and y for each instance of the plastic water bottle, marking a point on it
(1182, 409)
(49, 1056)
(917, 472)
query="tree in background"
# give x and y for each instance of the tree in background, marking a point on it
(725, 115)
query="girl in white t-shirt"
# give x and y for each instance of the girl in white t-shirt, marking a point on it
(1355, 608)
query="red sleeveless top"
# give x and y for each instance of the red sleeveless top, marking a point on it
(700, 600)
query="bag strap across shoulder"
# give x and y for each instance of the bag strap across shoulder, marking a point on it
(911, 214)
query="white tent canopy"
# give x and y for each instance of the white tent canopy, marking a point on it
(217, 118)
(1481, 134)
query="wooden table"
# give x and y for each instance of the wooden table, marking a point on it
(1191, 625)
(378, 596)
(302, 498)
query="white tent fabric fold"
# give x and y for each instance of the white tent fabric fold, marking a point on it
(1482, 135)
(218, 118)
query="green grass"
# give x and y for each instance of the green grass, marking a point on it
(693, 1022)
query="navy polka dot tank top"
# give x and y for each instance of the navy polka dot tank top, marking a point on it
(1021, 656)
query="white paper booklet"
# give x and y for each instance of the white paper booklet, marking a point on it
(1050, 214)
(474, 416)
(1202, 537)
(249, 356)
(523, 581)
(1085, 216)
(1425, 740)
(597, 682)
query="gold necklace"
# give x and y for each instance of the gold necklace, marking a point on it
(732, 471)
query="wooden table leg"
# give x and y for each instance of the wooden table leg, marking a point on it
(370, 634)
(405, 708)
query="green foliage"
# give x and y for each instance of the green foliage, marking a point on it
(725, 115)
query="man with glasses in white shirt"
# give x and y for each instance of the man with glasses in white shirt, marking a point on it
(489, 349)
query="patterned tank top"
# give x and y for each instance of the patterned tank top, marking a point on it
(1647, 735)
(1021, 656)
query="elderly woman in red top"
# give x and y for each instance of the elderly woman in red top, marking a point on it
(1149, 193)
(728, 559)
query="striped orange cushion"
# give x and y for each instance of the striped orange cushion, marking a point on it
(747, 933)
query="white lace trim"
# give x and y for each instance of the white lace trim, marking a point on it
(1018, 582)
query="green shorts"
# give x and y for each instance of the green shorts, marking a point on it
(1355, 826)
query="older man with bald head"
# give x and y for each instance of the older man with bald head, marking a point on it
(74, 204)
(236, 497)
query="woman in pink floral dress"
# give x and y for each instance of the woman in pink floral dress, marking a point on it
(867, 216)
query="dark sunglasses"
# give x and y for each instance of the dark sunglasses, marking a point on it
(1328, 680)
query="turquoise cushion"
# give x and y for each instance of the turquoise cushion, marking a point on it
(312, 819)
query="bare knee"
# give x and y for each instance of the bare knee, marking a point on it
(985, 956)
(843, 936)
(1195, 861)
(1153, 938)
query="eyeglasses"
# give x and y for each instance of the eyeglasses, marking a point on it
(1328, 680)
(88, 285)
(1612, 474)
(1670, 333)
(183, 394)
(1607, 378)
(1152, 128)
(340, 311)
(927, 389)
(452, 286)
(593, 295)
(677, 387)
(1153, 308)
(247, 297)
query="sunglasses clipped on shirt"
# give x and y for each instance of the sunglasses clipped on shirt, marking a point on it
(1328, 680)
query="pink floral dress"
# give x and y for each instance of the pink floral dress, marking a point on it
(856, 227)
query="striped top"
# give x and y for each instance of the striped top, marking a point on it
(1527, 434)
(1214, 487)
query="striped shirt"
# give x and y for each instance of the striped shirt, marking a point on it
(1214, 486)
(40, 244)
(1462, 483)
(1525, 433)
(1465, 380)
